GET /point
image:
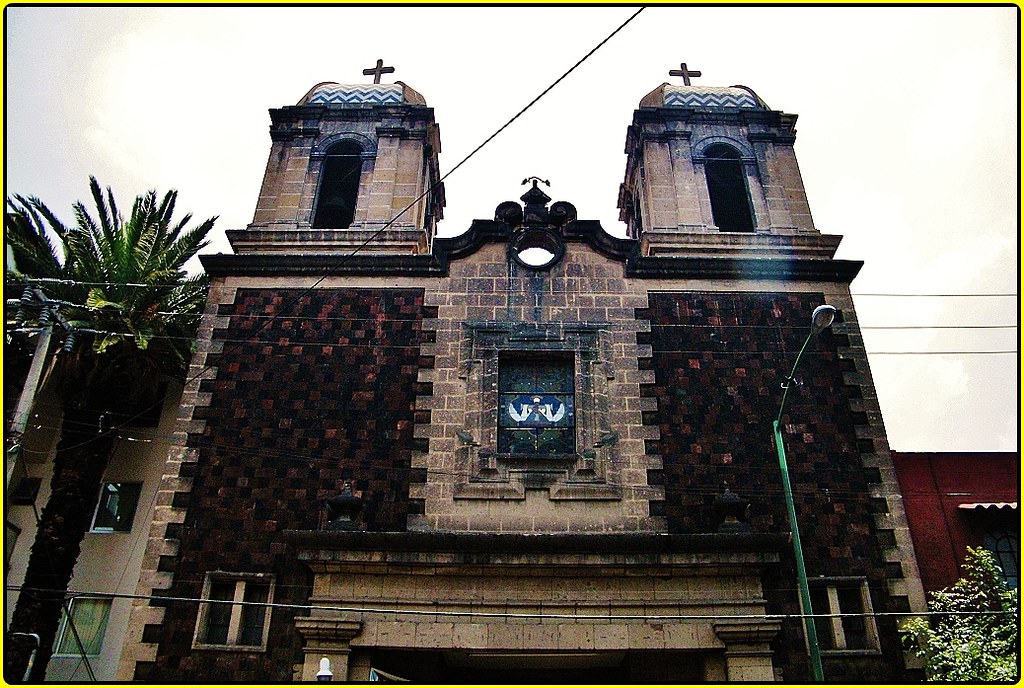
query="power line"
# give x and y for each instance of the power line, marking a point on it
(70, 282)
(941, 353)
(318, 462)
(407, 347)
(330, 270)
(437, 611)
(941, 296)
(939, 327)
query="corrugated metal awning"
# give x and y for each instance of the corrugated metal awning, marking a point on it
(988, 505)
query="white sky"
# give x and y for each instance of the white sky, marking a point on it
(907, 138)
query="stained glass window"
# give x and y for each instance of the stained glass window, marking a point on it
(536, 406)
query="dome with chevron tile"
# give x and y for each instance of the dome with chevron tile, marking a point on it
(704, 97)
(331, 93)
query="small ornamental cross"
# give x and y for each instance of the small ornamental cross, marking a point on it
(682, 71)
(381, 69)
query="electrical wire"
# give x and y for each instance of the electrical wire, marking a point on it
(941, 296)
(317, 462)
(69, 282)
(438, 612)
(280, 315)
(286, 341)
(330, 270)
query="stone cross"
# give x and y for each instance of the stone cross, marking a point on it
(682, 71)
(381, 69)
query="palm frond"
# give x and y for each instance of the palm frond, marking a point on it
(149, 247)
(34, 252)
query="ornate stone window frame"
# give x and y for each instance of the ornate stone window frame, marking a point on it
(592, 471)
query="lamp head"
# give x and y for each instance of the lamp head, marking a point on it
(822, 317)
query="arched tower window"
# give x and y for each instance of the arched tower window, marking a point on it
(339, 186)
(727, 186)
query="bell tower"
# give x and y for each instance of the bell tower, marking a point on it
(349, 164)
(711, 171)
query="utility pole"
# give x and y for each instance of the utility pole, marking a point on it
(27, 398)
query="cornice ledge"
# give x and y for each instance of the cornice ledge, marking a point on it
(273, 265)
(842, 271)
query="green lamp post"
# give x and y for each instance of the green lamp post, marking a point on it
(821, 318)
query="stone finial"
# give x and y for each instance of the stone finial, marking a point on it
(733, 512)
(343, 508)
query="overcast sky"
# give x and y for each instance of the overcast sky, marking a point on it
(907, 139)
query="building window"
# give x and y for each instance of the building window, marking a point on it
(116, 509)
(536, 405)
(89, 617)
(239, 618)
(1005, 548)
(727, 187)
(852, 626)
(339, 186)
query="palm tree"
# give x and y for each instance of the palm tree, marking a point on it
(127, 312)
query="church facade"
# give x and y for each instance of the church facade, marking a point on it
(534, 452)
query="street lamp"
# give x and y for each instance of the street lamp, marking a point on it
(821, 318)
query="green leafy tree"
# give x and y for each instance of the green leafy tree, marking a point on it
(974, 632)
(117, 291)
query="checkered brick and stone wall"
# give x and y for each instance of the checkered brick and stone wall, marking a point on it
(371, 379)
(719, 360)
(289, 410)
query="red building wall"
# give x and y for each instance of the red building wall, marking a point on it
(934, 487)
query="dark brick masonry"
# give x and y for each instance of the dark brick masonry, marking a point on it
(719, 360)
(323, 394)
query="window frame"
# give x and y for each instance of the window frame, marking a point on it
(830, 621)
(93, 528)
(589, 473)
(62, 629)
(238, 604)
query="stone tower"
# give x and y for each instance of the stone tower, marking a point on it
(711, 171)
(349, 162)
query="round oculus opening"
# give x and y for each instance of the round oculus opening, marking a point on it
(537, 249)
